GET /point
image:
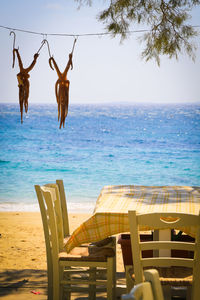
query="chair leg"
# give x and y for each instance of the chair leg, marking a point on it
(92, 287)
(57, 293)
(189, 293)
(66, 295)
(167, 292)
(110, 288)
(62, 294)
(50, 286)
(49, 277)
(129, 281)
(114, 276)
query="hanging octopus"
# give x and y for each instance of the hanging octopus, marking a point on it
(23, 76)
(62, 88)
(23, 82)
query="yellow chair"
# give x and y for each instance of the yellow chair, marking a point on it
(149, 290)
(173, 271)
(65, 271)
(66, 231)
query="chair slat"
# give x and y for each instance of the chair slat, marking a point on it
(167, 262)
(167, 245)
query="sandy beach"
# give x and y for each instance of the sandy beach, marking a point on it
(23, 254)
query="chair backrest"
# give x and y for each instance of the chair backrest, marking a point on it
(51, 191)
(50, 231)
(51, 217)
(63, 203)
(164, 221)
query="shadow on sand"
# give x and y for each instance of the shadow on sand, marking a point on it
(20, 284)
(11, 281)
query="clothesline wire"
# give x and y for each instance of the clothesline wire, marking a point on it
(68, 34)
(74, 35)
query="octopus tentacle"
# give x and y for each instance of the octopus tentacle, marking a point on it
(19, 59)
(27, 70)
(62, 103)
(50, 59)
(57, 97)
(68, 65)
(56, 90)
(55, 65)
(21, 102)
(13, 58)
(67, 98)
(26, 95)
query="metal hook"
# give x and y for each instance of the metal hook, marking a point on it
(12, 32)
(45, 41)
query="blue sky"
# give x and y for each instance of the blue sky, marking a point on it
(104, 70)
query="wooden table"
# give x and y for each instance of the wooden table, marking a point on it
(110, 215)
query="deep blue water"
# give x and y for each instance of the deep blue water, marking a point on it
(100, 145)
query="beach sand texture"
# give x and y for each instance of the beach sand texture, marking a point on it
(23, 255)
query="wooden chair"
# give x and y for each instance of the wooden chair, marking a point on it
(149, 290)
(66, 230)
(96, 247)
(65, 271)
(173, 271)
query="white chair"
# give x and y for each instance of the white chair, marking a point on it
(152, 276)
(142, 291)
(63, 268)
(149, 290)
(173, 271)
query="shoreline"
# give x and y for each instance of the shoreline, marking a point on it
(73, 207)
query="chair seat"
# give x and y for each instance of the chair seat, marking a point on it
(87, 254)
(175, 276)
(103, 248)
(179, 276)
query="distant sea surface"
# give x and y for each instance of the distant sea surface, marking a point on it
(100, 145)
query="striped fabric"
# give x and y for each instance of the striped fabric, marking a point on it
(111, 212)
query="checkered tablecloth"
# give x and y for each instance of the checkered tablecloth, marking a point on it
(110, 215)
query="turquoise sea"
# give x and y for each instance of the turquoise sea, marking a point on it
(100, 145)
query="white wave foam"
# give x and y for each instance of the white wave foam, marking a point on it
(73, 207)
(31, 207)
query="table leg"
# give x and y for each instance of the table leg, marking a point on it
(162, 235)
